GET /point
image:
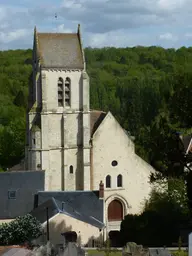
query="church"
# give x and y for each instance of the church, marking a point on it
(75, 146)
(79, 150)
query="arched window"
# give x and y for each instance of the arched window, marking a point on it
(119, 181)
(60, 92)
(108, 181)
(71, 169)
(67, 92)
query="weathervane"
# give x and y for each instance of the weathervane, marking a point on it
(56, 22)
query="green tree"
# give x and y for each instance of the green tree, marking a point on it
(22, 229)
(164, 214)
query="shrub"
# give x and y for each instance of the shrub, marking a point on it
(22, 229)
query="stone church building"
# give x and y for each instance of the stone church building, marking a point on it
(75, 146)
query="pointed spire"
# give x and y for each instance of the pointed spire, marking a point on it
(35, 35)
(35, 30)
(79, 29)
(79, 35)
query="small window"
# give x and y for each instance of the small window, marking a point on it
(63, 206)
(12, 194)
(34, 141)
(108, 181)
(114, 163)
(71, 169)
(119, 181)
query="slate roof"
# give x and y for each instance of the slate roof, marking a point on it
(71, 203)
(96, 118)
(26, 184)
(60, 50)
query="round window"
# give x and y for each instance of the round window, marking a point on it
(114, 163)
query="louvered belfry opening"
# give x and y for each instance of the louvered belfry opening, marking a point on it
(67, 92)
(115, 211)
(60, 92)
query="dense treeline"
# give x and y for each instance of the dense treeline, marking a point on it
(148, 89)
(14, 75)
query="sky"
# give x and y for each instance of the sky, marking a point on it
(104, 23)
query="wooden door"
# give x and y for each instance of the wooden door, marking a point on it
(115, 211)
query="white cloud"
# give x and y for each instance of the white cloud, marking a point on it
(168, 36)
(120, 38)
(188, 35)
(62, 29)
(7, 37)
(2, 13)
(171, 4)
(103, 22)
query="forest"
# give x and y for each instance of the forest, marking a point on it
(148, 90)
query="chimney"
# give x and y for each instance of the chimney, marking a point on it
(101, 190)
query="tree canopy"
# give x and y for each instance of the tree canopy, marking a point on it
(148, 89)
(21, 230)
(165, 213)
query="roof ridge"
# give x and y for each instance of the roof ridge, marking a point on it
(56, 33)
(95, 110)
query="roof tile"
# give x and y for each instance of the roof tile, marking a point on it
(96, 118)
(60, 50)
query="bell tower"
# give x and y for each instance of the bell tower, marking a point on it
(58, 126)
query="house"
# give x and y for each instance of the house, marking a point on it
(22, 192)
(79, 212)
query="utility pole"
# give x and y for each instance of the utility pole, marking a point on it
(47, 214)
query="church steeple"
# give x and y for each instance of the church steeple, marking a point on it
(61, 96)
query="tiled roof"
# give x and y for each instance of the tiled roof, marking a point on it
(60, 50)
(96, 117)
(70, 208)
(73, 200)
(26, 184)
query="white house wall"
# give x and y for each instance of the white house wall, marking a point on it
(63, 223)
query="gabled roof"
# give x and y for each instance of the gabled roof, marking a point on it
(67, 207)
(60, 50)
(186, 142)
(96, 118)
(26, 184)
(93, 206)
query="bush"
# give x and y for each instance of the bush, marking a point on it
(22, 229)
(164, 214)
(179, 253)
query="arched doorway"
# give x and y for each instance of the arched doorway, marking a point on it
(115, 239)
(115, 211)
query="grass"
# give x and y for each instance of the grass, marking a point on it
(119, 253)
(179, 253)
(111, 253)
